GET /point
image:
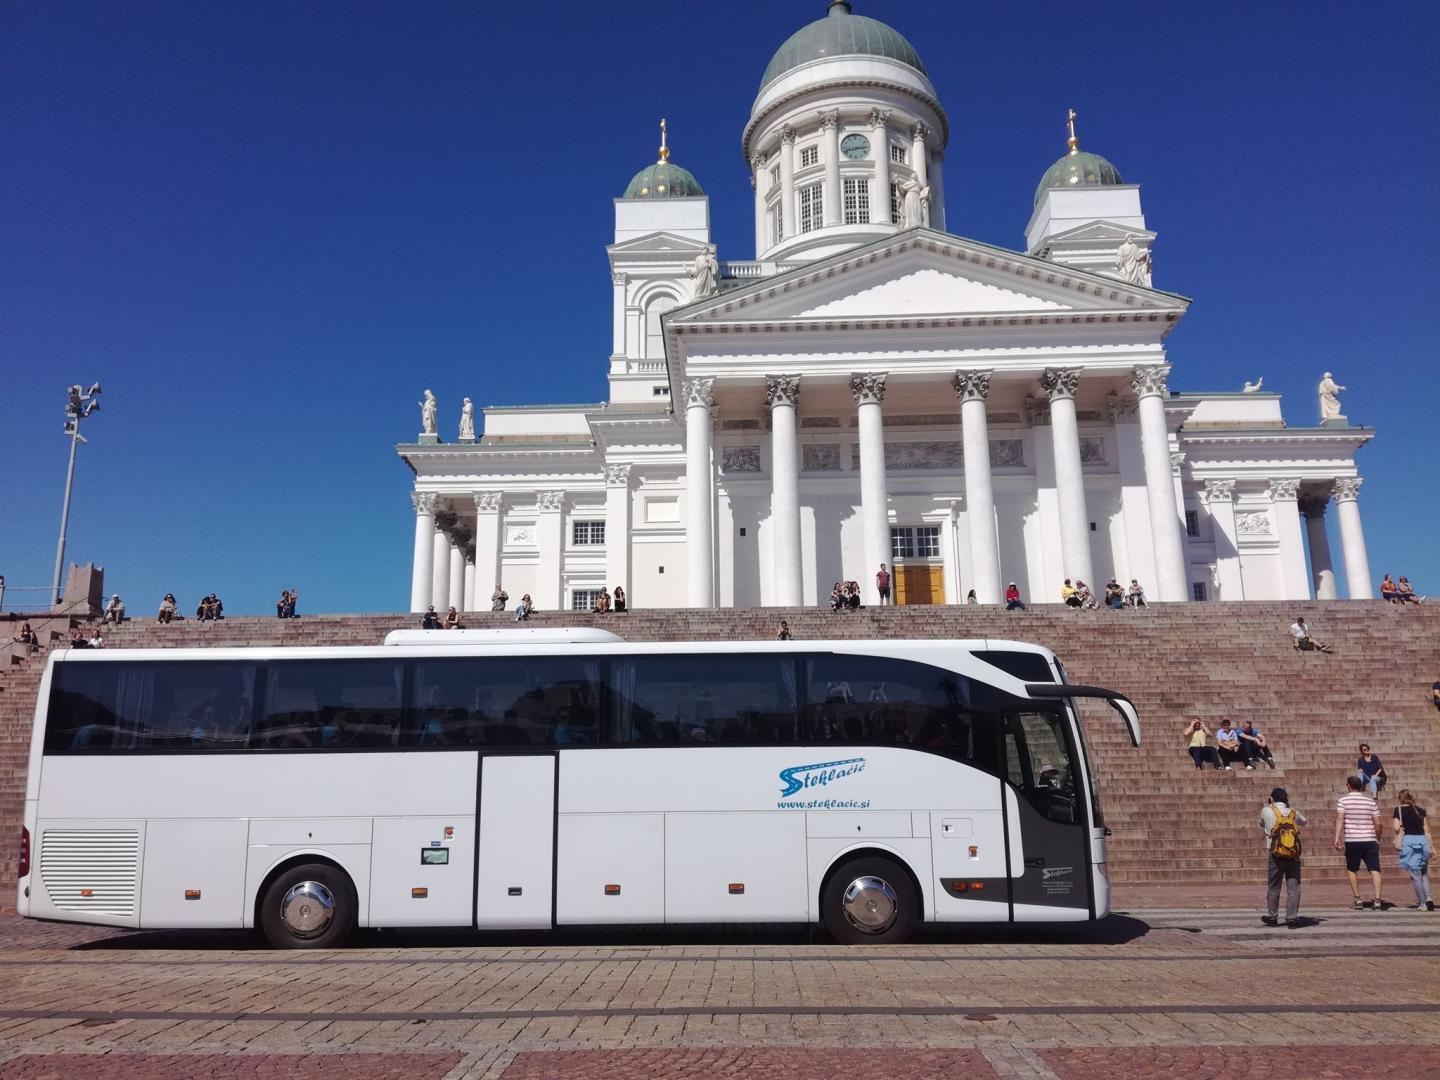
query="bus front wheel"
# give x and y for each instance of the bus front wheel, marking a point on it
(310, 906)
(869, 901)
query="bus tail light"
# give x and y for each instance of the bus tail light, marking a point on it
(737, 888)
(612, 890)
(24, 867)
(419, 894)
(192, 894)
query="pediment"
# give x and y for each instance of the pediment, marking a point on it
(924, 274)
(659, 243)
(1098, 232)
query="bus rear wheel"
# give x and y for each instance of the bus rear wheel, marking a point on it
(869, 901)
(310, 906)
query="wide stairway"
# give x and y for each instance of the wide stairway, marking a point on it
(1172, 824)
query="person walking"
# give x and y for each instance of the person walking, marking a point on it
(1412, 841)
(1357, 833)
(882, 584)
(1281, 823)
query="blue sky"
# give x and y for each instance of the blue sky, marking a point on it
(266, 227)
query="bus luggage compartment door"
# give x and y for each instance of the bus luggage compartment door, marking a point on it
(517, 839)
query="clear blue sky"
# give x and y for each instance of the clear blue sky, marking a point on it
(266, 227)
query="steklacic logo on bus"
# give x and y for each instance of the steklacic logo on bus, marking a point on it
(820, 774)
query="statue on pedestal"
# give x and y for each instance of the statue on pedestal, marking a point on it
(706, 272)
(1253, 387)
(467, 422)
(428, 410)
(1330, 399)
(1132, 262)
(914, 204)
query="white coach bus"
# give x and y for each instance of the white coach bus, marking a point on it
(531, 779)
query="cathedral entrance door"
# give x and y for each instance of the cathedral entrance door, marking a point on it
(919, 584)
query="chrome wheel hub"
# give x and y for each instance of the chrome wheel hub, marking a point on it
(308, 909)
(870, 904)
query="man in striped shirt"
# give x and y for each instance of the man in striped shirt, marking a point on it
(1357, 823)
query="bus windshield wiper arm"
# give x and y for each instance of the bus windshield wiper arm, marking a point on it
(1117, 701)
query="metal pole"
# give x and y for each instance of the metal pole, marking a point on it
(65, 510)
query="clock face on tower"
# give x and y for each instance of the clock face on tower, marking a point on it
(855, 146)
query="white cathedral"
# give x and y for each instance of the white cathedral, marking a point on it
(872, 388)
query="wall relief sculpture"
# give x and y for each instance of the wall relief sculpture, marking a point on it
(820, 457)
(740, 459)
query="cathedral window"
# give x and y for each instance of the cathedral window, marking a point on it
(809, 155)
(894, 201)
(777, 223)
(654, 338)
(812, 208)
(857, 201)
(915, 542)
(897, 154)
(583, 599)
(587, 533)
(774, 176)
(1199, 592)
(1192, 523)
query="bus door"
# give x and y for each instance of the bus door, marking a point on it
(515, 878)
(1050, 864)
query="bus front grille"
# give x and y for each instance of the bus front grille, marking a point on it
(94, 871)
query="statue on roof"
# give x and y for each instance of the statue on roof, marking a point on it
(467, 422)
(706, 272)
(428, 410)
(914, 204)
(1132, 262)
(1253, 387)
(1330, 399)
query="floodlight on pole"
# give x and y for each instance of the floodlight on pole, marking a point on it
(80, 404)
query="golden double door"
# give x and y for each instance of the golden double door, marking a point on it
(921, 584)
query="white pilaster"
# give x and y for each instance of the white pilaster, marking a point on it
(790, 217)
(1322, 570)
(1059, 385)
(880, 150)
(550, 538)
(617, 527)
(1352, 539)
(470, 578)
(830, 144)
(423, 562)
(760, 181)
(937, 190)
(489, 542)
(869, 392)
(1166, 538)
(783, 392)
(699, 396)
(440, 580)
(1219, 499)
(973, 387)
(618, 283)
(1045, 575)
(456, 596)
(1293, 578)
(919, 157)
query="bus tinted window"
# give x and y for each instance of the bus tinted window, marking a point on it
(331, 705)
(510, 701)
(869, 699)
(1039, 763)
(147, 707)
(700, 700)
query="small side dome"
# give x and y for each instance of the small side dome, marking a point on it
(840, 34)
(664, 179)
(1078, 168)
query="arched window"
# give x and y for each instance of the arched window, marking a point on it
(654, 341)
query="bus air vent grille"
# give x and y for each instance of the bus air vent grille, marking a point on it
(91, 870)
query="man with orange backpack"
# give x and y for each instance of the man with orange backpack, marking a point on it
(1281, 825)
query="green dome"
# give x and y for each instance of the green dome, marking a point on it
(663, 180)
(840, 34)
(1079, 168)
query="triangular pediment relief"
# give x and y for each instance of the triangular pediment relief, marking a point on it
(659, 243)
(1100, 232)
(923, 274)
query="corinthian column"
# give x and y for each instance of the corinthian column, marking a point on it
(880, 149)
(1294, 582)
(869, 392)
(830, 141)
(973, 387)
(1149, 386)
(440, 579)
(1219, 498)
(1312, 508)
(789, 218)
(423, 561)
(1352, 539)
(459, 541)
(783, 392)
(758, 180)
(699, 491)
(1059, 386)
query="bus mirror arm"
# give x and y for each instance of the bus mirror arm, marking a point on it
(1119, 702)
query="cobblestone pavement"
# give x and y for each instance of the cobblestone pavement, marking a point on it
(1148, 994)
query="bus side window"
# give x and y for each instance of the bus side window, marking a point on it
(1036, 748)
(743, 698)
(331, 704)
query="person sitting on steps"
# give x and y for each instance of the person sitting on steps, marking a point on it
(1230, 747)
(1012, 598)
(1370, 772)
(431, 621)
(523, 608)
(1114, 595)
(1135, 595)
(1200, 752)
(1405, 592)
(1388, 592)
(1068, 596)
(1303, 641)
(114, 611)
(1252, 741)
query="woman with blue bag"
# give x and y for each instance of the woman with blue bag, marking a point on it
(1412, 841)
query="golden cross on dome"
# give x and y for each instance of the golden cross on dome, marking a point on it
(1072, 142)
(664, 150)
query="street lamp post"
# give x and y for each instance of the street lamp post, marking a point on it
(81, 404)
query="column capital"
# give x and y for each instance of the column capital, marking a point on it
(425, 502)
(1037, 411)
(920, 132)
(1060, 383)
(698, 392)
(782, 390)
(757, 161)
(1347, 488)
(619, 278)
(1218, 491)
(1313, 504)
(617, 476)
(489, 502)
(1149, 380)
(879, 118)
(550, 502)
(1177, 461)
(868, 387)
(1284, 488)
(972, 385)
(787, 135)
(829, 119)
(1122, 410)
